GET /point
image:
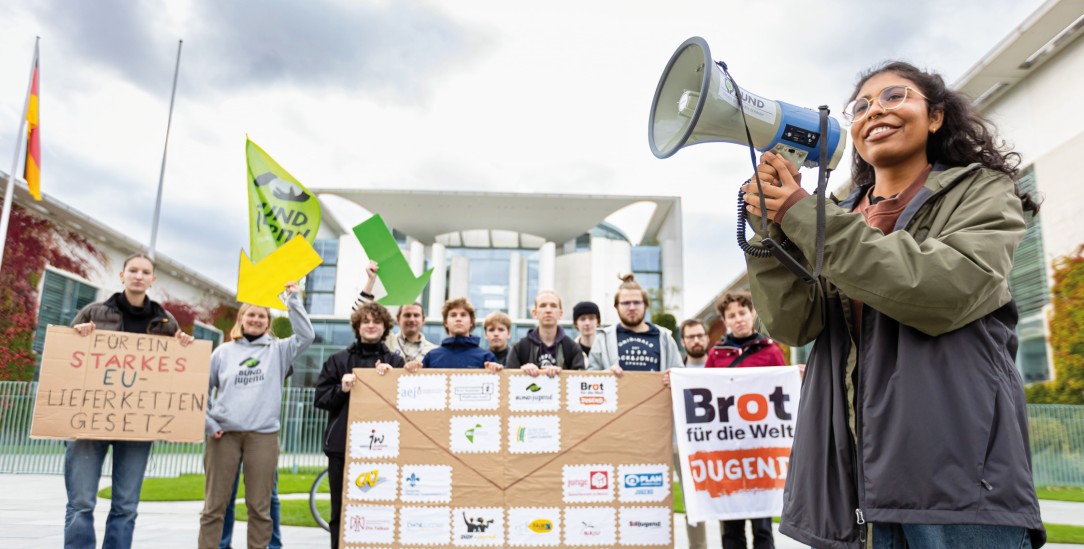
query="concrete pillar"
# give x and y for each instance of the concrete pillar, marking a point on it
(417, 256)
(515, 285)
(459, 277)
(547, 260)
(437, 281)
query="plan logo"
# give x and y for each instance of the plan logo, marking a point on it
(644, 480)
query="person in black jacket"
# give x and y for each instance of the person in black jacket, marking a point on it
(546, 349)
(371, 322)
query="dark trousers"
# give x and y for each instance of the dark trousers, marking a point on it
(734, 534)
(335, 466)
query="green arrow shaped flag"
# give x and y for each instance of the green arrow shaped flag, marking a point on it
(379, 244)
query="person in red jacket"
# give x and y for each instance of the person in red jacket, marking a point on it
(742, 346)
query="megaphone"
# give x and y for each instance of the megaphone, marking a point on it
(696, 102)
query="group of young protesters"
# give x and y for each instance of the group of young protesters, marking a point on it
(911, 428)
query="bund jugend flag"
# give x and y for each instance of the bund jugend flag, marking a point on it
(279, 207)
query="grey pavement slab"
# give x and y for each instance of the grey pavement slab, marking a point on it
(32, 516)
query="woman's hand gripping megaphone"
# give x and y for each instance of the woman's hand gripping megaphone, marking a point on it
(780, 180)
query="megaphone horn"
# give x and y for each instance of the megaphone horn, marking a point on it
(697, 102)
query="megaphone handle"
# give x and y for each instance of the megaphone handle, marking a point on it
(788, 261)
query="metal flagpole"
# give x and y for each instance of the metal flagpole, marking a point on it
(162, 174)
(20, 139)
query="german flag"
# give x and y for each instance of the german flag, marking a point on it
(32, 171)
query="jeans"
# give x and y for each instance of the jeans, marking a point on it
(227, 524)
(82, 471)
(949, 536)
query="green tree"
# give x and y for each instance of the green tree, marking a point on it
(1066, 335)
(660, 308)
(281, 327)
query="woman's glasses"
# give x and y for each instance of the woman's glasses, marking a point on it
(890, 98)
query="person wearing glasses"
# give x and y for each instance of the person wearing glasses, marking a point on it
(695, 340)
(912, 425)
(633, 344)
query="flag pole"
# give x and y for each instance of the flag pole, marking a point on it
(20, 138)
(162, 173)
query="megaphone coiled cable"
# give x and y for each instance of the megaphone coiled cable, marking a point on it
(772, 248)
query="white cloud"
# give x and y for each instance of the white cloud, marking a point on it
(473, 95)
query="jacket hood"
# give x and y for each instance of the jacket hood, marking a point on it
(652, 330)
(728, 341)
(460, 341)
(532, 335)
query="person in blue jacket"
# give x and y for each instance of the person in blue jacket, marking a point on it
(459, 349)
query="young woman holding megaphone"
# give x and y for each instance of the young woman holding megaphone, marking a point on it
(912, 424)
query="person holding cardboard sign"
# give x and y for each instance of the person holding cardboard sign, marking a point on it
(371, 323)
(128, 311)
(243, 417)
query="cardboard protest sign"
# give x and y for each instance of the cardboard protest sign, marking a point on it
(734, 430)
(121, 386)
(464, 458)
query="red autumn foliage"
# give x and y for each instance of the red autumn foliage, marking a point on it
(32, 243)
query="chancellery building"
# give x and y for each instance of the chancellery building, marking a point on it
(496, 249)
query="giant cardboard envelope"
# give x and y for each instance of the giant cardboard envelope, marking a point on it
(121, 386)
(464, 458)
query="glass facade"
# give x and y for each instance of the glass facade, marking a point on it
(61, 299)
(332, 336)
(320, 283)
(209, 333)
(647, 266)
(1028, 282)
(489, 270)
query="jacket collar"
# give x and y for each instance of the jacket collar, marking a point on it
(460, 341)
(941, 179)
(261, 341)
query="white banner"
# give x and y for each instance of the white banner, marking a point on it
(734, 429)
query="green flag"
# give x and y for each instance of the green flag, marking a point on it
(279, 207)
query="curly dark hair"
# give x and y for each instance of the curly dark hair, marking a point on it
(745, 299)
(374, 310)
(965, 136)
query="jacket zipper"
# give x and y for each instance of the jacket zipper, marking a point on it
(330, 431)
(858, 469)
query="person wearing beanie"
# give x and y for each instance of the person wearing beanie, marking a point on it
(586, 317)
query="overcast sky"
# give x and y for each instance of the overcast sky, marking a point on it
(478, 95)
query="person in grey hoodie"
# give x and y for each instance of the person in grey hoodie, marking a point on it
(634, 344)
(245, 395)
